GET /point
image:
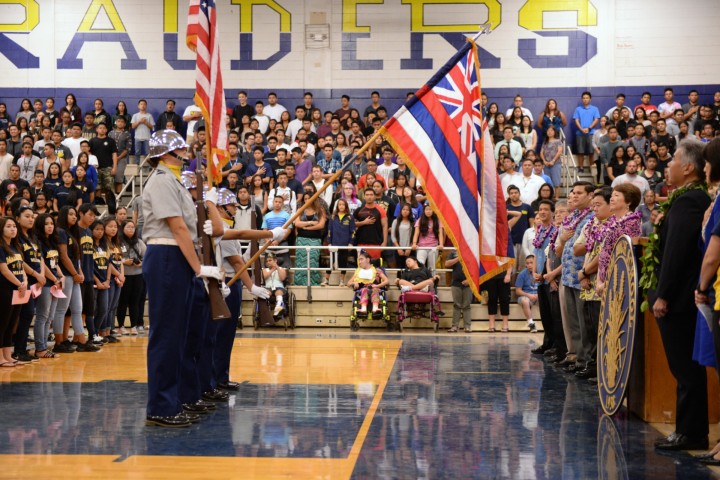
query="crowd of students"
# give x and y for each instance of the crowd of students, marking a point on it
(62, 162)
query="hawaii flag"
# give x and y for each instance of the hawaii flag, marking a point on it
(203, 39)
(441, 134)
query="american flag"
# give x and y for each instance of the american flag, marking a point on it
(203, 39)
(441, 134)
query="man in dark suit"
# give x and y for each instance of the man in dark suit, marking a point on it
(673, 301)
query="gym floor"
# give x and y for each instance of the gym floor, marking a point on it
(314, 404)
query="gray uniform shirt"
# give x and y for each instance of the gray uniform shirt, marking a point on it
(165, 197)
(229, 248)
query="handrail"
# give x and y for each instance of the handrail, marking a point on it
(130, 184)
(569, 166)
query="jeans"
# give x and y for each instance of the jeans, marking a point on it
(74, 301)
(45, 306)
(113, 301)
(100, 311)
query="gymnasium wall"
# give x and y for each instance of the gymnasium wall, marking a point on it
(133, 49)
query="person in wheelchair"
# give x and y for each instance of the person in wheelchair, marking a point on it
(416, 278)
(274, 276)
(368, 282)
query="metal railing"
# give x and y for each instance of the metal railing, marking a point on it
(137, 171)
(569, 166)
(333, 260)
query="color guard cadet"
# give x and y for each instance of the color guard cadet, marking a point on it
(170, 266)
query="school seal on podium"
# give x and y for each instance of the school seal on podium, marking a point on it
(616, 331)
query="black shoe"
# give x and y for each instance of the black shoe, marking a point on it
(194, 408)
(70, 344)
(565, 362)
(709, 461)
(177, 421)
(676, 441)
(229, 386)
(215, 396)
(111, 339)
(190, 417)
(588, 372)
(550, 352)
(538, 351)
(62, 348)
(87, 347)
(24, 357)
(554, 358)
(572, 368)
(210, 406)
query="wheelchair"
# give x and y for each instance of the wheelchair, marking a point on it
(416, 305)
(286, 318)
(383, 314)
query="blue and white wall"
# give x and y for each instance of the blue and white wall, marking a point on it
(539, 48)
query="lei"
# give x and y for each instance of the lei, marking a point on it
(542, 234)
(651, 255)
(570, 223)
(594, 233)
(610, 233)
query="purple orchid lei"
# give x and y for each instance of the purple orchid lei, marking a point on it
(570, 223)
(613, 229)
(542, 233)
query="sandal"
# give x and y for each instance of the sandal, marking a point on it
(505, 329)
(8, 364)
(491, 330)
(453, 329)
(47, 354)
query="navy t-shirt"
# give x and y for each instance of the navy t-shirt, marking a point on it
(66, 239)
(87, 249)
(31, 255)
(518, 230)
(100, 259)
(14, 261)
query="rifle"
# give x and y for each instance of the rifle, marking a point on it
(266, 318)
(218, 308)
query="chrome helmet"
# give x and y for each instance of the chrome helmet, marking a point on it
(164, 141)
(188, 179)
(226, 197)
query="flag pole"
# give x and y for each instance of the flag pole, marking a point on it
(317, 194)
(484, 30)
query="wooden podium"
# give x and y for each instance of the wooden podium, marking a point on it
(652, 388)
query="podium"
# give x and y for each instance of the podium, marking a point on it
(651, 387)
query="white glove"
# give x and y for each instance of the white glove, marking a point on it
(225, 290)
(207, 227)
(212, 196)
(260, 292)
(279, 234)
(210, 272)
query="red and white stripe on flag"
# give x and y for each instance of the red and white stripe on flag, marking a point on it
(203, 39)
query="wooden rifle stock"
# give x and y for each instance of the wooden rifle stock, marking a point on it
(218, 308)
(266, 317)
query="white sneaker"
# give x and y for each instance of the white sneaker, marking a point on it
(124, 331)
(405, 288)
(141, 329)
(278, 309)
(133, 331)
(97, 339)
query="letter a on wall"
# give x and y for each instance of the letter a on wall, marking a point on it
(88, 33)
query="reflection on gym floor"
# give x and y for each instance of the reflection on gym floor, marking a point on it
(331, 406)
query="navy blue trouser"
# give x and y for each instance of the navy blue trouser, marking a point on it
(226, 336)
(170, 284)
(190, 370)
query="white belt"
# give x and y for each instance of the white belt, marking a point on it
(162, 241)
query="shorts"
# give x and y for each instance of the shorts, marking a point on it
(373, 253)
(526, 299)
(120, 173)
(106, 180)
(87, 292)
(583, 144)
